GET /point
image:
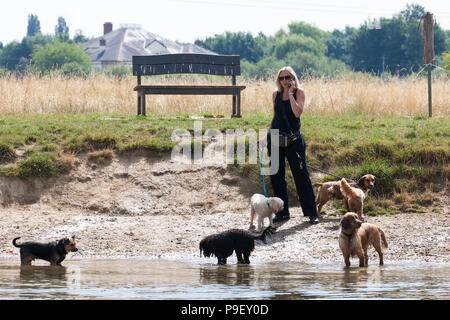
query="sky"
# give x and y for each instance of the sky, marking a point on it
(188, 20)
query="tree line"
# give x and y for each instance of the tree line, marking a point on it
(393, 45)
(41, 53)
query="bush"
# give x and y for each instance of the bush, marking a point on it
(58, 55)
(119, 71)
(446, 56)
(41, 165)
(75, 69)
(3, 72)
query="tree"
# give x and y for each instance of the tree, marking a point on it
(10, 55)
(79, 37)
(241, 43)
(294, 42)
(15, 53)
(339, 43)
(34, 26)
(412, 12)
(307, 30)
(28, 43)
(61, 55)
(387, 45)
(446, 57)
(61, 29)
(302, 36)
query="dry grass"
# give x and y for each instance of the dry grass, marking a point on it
(108, 95)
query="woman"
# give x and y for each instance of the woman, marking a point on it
(288, 102)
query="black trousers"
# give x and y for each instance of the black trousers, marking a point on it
(296, 156)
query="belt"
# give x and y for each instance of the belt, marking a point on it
(285, 140)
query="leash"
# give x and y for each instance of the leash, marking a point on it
(323, 171)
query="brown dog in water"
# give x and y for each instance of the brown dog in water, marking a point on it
(356, 237)
(54, 252)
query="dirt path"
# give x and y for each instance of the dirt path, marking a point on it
(141, 207)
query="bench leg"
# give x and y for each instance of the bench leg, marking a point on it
(239, 105)
(143, 104)
(234, 107)
(139, 104)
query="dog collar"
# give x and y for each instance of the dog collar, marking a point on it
(60, 247)
(348, 235)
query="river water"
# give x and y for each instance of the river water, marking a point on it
(166, 280)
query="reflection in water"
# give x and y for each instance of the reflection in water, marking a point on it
(36, 273)
(161, 279)
(228, 275)
(353, 279)
(38, 282)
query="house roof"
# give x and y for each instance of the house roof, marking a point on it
(122, 44)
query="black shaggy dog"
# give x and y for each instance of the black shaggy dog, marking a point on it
(223, 244)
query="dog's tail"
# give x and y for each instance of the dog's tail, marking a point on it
(383, 239)
(262, 236)
(15, 244)
(346, 189)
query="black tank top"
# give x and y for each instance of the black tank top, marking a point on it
(284, 119)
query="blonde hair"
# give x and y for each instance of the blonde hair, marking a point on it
(291, 72)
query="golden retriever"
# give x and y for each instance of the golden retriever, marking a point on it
(353, 198)
(332, 190)
(356, 237)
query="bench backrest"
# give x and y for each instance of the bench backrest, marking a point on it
(214, 64)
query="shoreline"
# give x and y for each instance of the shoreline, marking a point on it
(138, 207)
(288, 245)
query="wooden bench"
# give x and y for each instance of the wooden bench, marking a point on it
(222, 65)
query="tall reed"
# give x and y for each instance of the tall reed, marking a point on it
(109, 95)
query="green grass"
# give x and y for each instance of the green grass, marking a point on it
(41, 165)
(6, 153)
(404, 153)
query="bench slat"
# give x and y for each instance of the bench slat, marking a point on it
(213, 90)
(180, 58)
(176, 68)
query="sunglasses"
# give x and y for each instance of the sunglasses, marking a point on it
(284, 78)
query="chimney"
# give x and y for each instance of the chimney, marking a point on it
(107, 27)
(102, 42)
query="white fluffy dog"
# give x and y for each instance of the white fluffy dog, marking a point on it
(264, 208)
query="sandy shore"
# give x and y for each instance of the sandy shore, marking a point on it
(138, 207)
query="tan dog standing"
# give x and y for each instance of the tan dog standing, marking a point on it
(353, 197)
(332, 190)
(356, 237)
